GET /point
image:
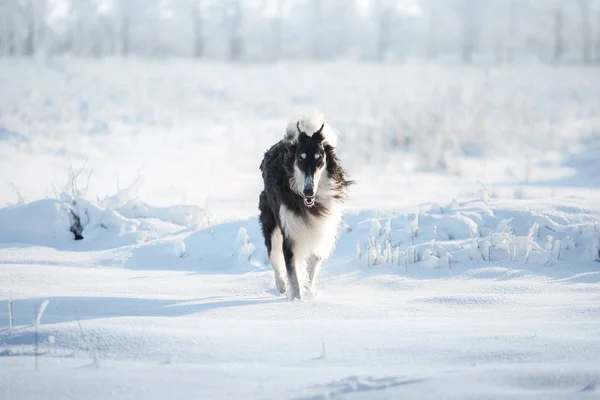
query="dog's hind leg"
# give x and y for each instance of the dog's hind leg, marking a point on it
(274, 243)
(290, 265)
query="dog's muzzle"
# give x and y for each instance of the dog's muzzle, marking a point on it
(309, 201)
(309, 191)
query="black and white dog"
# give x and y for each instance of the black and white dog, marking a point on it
(301, 204)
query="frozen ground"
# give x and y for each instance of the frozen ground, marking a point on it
(467, 266)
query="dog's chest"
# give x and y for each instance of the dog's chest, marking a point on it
(314, 235)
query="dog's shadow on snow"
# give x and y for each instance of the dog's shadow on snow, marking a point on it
(73, 309)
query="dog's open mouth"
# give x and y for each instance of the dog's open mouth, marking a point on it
(309, 201)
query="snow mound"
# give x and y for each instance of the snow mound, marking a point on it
(482, 231)
(115, 221)
(59, 222)
(35, 223)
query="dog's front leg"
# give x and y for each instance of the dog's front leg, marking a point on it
(290, 266)
(313, 269)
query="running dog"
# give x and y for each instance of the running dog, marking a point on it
(301, 203)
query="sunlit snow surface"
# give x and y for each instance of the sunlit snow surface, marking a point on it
(466, 267)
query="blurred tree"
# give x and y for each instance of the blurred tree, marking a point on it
(559, 25)
(124, 17)
(7, 18)
(28, 15)
(316, 25)
(433, 9)
(275, 12)
(312, 29)
(469, 30)
(586, 31)
(598, 36)
(198, 32)
(512, 31)
(235, 39)
(384, 10)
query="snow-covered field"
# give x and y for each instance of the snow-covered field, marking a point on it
(467, 266)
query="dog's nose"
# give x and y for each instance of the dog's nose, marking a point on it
(309, 193)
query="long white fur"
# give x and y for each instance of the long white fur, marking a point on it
(309, 122)
(314, 235)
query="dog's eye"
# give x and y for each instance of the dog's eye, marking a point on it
(302, 156)
(317, 156)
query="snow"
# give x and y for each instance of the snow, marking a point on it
(469, 273)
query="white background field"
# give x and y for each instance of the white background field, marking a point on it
(466, 267)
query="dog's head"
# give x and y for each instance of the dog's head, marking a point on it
(309, 164)
(307, 142)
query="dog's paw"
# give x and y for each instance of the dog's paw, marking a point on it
(281, 284)
(310, 293)
(294, 294)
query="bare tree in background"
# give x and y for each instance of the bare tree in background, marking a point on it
(586, 31)
(468, 31)
(41, 30)
(598, 37)
(75, 35)
(276, 30)
(197, 21)
(383, 13)
(22, 26)
(432, 21)
(3, 32)
(124, 17)
(512, 31)
(27, 10)
(498, 26)
(559, 26)
(316, 27)
(549, 29)
(7, 19)
(108, 35)
(83, 38)
(235, 39)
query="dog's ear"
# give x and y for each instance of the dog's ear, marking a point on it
(318, 135)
